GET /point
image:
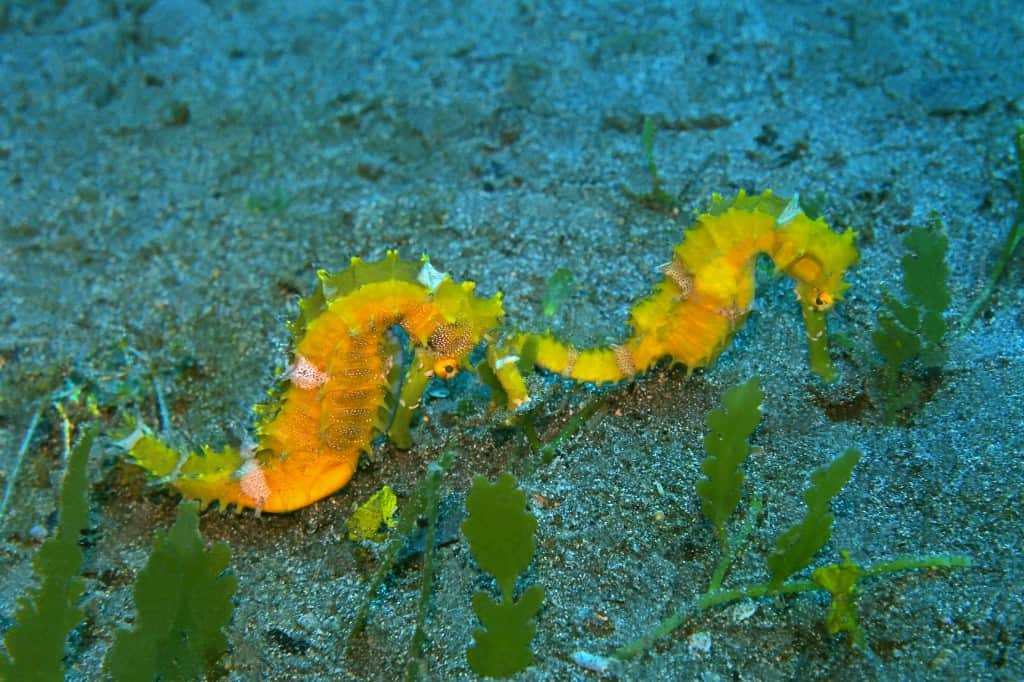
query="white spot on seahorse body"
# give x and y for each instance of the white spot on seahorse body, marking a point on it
(732, 313)
(430, 277)
(791, 211)
(507, 360)
(253, 483)
(247, 448)
(305, 374)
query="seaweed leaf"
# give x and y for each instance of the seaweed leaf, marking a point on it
(500, 533)
(795, 548)
(35, 643)
(657, 199)
(727, 446)
(912, 331)
(924, 268)
(499, 529)
(504, 647)
(378, 511)
(840, 580)
(183, 601)
(557, 291)
(893, 342)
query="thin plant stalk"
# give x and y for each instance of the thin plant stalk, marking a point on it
(19, 457)
(1013, 240)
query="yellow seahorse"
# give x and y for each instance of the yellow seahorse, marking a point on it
(343, 387)
(706, 294)
(339, 392)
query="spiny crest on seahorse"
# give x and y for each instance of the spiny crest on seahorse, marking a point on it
(340, 391)
(344, 385)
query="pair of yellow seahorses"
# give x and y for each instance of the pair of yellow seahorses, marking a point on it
(344, 386)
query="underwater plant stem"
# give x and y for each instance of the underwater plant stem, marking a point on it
(707, 601)
(406, 522)
(161, 404)
(657, 199)
(891, 378)
(1013, 240)
(19, 456)
(714, 598)
(648, 144)
(664, 629)
(711, 599)
(571, 427)
(65, 428)
(731, 549)
(414, 667)
(909, 563)
(530, 431)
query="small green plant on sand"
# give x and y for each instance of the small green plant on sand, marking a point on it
(371, 518)
(273, 201)
(422, 504)
(557, 291)
(720, 491)
(728, 446)
(183, 601)
(910, 333)
(657, 199)
(500, 533)
(49, 612)
(182, 597)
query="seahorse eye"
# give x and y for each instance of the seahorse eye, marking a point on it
(823, 300)
(446, 368)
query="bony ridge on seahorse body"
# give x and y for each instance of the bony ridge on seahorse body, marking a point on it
(344, 386)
